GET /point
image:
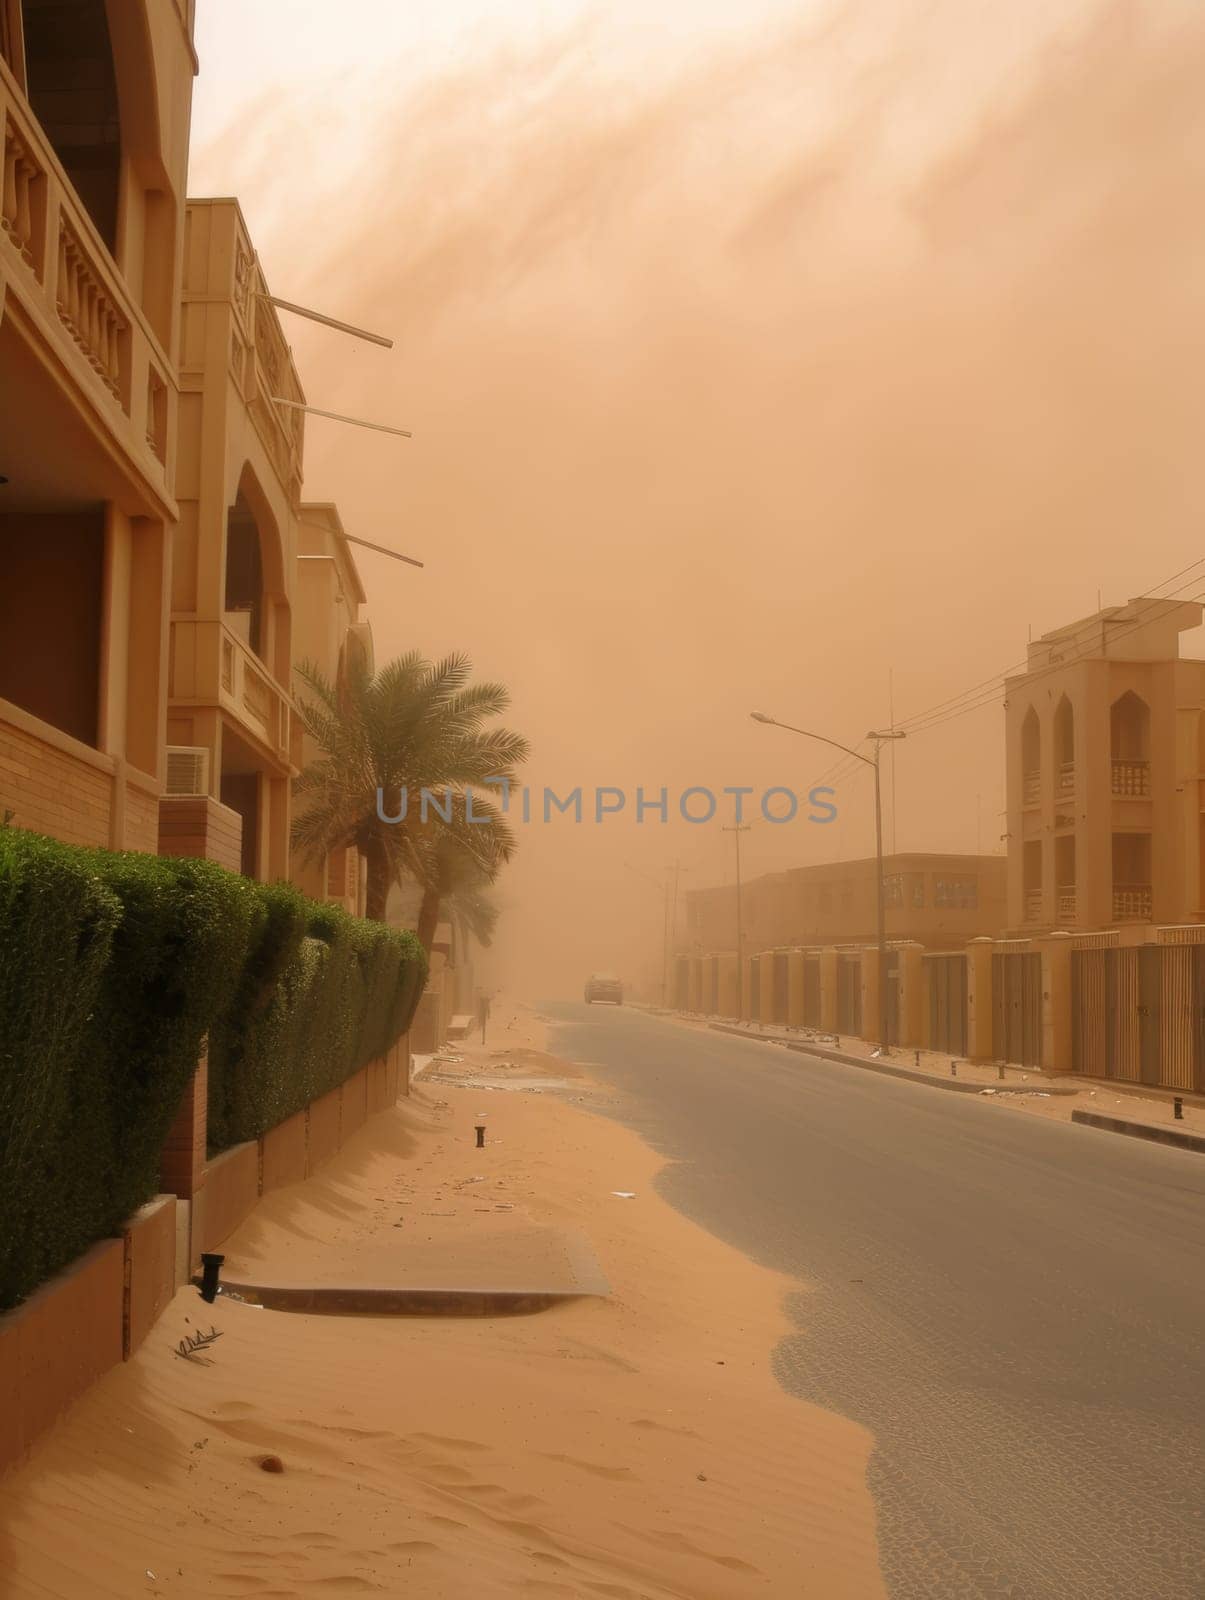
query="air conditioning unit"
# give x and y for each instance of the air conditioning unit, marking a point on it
(187, 770)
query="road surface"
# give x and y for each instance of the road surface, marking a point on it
(1015, 1307)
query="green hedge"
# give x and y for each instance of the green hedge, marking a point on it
(114, 968)
(340, 992)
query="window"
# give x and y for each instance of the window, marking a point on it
(893, 890)
(959, 892)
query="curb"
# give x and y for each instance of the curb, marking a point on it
(1141, 1130)
(886, 1068)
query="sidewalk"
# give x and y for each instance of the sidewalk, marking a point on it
(636, 1444)
(1026, 1089)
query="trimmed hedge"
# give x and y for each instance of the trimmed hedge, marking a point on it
(114, 969)
(330, 994)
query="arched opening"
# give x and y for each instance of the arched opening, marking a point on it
(1064, 746)
(256, 596)
(244, 603)
(1130, 744)
(1031, 758)
(72, 87)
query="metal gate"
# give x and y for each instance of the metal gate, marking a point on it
(681, 983)
(779, 999)
(811, 991)
(849, 995)
(1017, 1007)
(709, 987)
(891, 1008)
(946, 982)
(1138, 1014)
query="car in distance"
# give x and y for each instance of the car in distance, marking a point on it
(603, 986)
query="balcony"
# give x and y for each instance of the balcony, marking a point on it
(1132, 778)
(1132, 902)
(1065, 779)
(1031, 788)
(67, 283)
(211, 666)
(1066, 904)
(1033, 905)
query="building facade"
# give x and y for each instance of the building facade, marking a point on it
(94, 115)
(1105, 739)
(936, 900)
(329, 633)
(232, 725)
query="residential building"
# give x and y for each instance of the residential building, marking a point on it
(94, 117)
(329, 633)
(937, 900)
(1105, 738)
(232, 727)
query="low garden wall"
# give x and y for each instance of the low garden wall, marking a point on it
(100, 1309)
(119, 973)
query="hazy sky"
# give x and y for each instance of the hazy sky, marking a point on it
(791, 356)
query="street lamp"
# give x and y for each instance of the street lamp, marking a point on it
(880, 900)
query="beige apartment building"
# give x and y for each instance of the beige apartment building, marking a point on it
(233, 735)
(159, 573)
(94, 117)
(329, 632)
(1105, 738)
(937, 900)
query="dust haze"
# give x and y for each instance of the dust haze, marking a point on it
(803, 370)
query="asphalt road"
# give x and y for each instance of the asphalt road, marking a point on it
(1015, 1307)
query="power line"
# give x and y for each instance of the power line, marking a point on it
(922, 717)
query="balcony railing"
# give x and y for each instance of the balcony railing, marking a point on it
(1132, 777)
(1131, 902)
(211, 666)
(1066, 904)
(1031, 788)
(1065, 781)
(1033, 905)
(58, 265)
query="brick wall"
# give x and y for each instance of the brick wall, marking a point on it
(142, 819)
(200, 826)
(51, 790)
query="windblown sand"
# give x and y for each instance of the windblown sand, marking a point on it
(633, 1446)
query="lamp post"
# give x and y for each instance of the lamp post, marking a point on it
(880, 897)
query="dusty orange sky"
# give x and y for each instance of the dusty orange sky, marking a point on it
(800, 363)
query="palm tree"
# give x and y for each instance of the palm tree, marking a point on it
(415, 725)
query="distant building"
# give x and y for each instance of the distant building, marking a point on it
(938, 900)
(1106, 765)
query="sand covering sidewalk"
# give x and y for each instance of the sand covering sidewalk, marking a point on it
(634, 1446)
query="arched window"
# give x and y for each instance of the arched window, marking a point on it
(244, 605)
(1031, 757)
(1064, 746)
(1130, 744)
